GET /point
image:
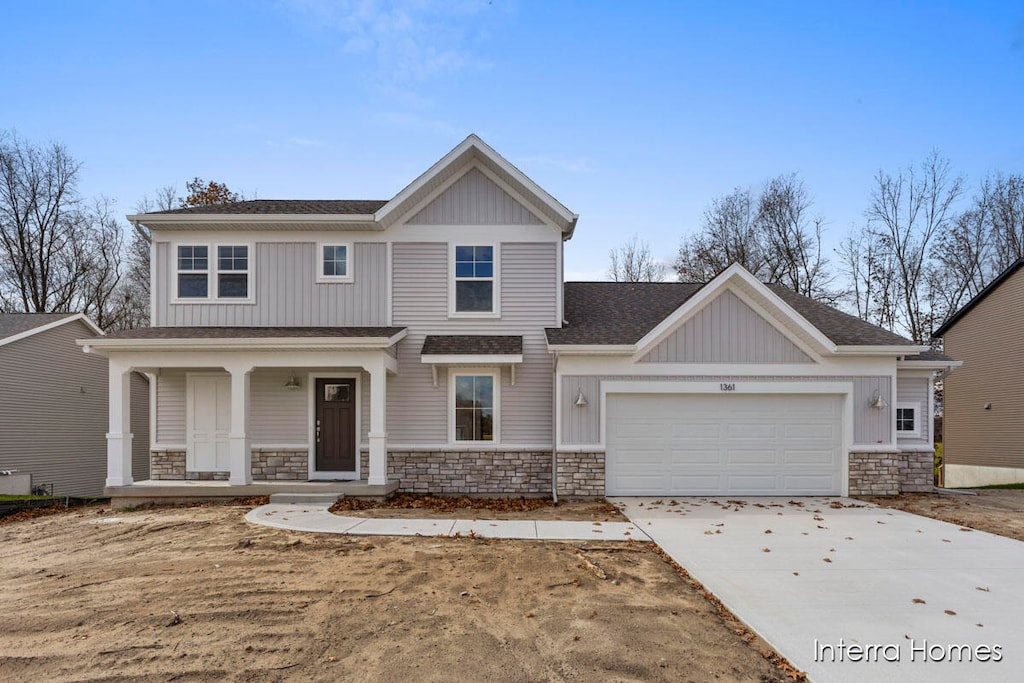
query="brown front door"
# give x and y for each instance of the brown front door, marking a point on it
(335, 425)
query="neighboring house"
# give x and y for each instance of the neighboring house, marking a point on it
(427, 343)
(983, 402)
(54, 397)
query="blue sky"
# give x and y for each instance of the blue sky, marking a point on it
(633, 114)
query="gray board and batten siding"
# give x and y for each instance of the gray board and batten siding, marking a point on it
(727, 330)
(474, 199)
(418, 411)
(54, 417)
(286, 290)
(277, 416)
(581, 425)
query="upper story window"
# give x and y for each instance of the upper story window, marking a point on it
(907, 423)
(475, 285)
(334, 263)
(223, 275)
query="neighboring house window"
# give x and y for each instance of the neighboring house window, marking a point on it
(214, 273)
(907, 420)
(475, 284)
(334, 263)
(193, 272)
(475, 400)
(233, 272)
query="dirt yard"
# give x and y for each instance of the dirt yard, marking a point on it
(197, 594)
(997, 511)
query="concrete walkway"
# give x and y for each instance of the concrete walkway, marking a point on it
(316, 518)
(812, 575)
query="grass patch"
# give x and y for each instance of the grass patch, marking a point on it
(7, 499)
(997, 486)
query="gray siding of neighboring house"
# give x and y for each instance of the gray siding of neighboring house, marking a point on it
(726, 331)
(581, 424)
(54, 416)
(474, 199)
(287, 293)
(277, 416)
(988, 341)
(140, 427)
(915, 390)
(418, 411)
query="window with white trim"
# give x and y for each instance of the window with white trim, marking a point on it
(334, 262)
(907, 419)
(213, 273)
(474, 281)
(193, 271)
(474, 406)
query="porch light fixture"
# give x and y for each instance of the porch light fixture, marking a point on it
(293, 383)
(581, 400)
(877, 402)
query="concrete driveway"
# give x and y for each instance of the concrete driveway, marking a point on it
(812, 575)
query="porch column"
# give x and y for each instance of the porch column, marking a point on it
(119, 436)
(240, 448)
(378, 435)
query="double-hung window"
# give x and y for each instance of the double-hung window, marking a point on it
(907, 420)
(475, 401)
(206, 273)
(474, 284)
(334, 262)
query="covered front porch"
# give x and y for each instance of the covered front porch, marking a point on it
(238, 412)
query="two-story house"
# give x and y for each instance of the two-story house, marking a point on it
(427, 343)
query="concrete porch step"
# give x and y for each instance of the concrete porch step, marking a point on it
(306, 498)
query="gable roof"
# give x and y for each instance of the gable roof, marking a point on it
(991, 287)
(372, 214)
(622, 313)
(15, 326)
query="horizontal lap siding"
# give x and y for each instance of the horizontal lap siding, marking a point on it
(417, 411)
(287, 293)
(54, 417)
(915, 390)
(581, 424)
(988, 341)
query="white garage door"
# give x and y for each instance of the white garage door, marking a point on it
(688, 445)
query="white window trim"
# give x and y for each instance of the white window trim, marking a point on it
(212, 272)
(916, 407)
(495, 373)
(495, 311)
(318, 264)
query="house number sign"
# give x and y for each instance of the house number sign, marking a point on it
(727, 387)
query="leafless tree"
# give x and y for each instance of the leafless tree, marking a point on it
(905, 214)
(728, 234)
(791, 239)
(632, 262)
(1003, 199)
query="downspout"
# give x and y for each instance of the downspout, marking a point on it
(554, 427)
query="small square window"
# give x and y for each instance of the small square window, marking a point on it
(333, 263)
(907, 423)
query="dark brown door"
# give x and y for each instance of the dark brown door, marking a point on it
(336, 425)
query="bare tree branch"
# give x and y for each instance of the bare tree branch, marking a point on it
(632, 262)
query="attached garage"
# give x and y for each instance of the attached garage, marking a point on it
(724, 445)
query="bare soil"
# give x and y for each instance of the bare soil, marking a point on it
(198, 594)
(406, 505)
(997, 511)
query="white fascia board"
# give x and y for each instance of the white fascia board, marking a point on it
(854, 366)
(72, 317)
(880, 350)
(472, 359)
(928, 364)
(593, 349)
(239, 343)
(712, 289)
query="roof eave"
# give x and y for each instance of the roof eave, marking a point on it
(471, 358)
(103, 345)
(879, 349)
(928, 364)
(165, 221)
(593, 349)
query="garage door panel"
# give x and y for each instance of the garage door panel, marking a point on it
(678, 444)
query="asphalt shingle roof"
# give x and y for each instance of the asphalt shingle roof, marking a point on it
(471, 345)
(16, 323)
(931, 354)
(623, 312)
(252, 332)
(286, 206)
